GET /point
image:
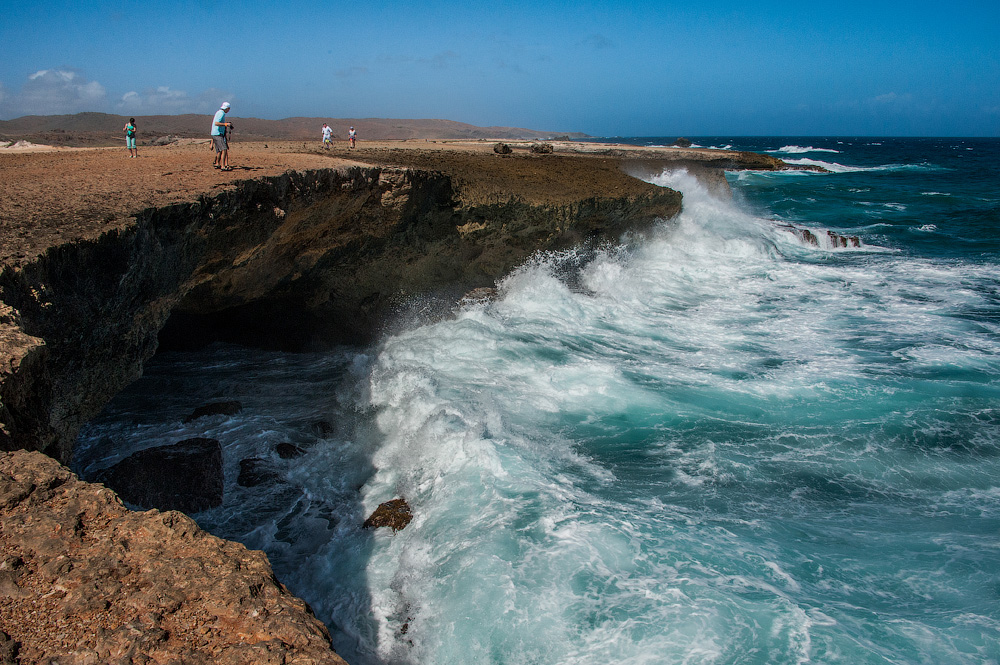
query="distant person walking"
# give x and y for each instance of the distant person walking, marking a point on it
(220, 140)
(327, 135)
(129, 130)
(352, 137)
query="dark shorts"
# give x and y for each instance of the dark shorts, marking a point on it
(220, 143)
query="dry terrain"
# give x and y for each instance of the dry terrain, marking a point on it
(55, 195)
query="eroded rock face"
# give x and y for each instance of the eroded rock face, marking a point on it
(296, 262)
(85, 580)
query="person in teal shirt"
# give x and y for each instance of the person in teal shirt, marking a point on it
(219, 138)
(129, 130)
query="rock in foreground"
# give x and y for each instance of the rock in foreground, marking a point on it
(85, 580)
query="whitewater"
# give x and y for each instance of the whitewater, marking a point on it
(711, 443)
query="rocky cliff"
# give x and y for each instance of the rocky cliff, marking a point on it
(294, 261)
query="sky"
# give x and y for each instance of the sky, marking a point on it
(626, 68)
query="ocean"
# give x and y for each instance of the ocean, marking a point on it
(713, 443)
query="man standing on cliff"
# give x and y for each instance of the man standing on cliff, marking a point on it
(219, 139)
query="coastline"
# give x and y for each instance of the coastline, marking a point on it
(90, 280)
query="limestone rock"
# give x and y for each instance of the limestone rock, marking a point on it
(184, 476)
(102, 584)
(502, 149)
(541, 148)
(394, 514)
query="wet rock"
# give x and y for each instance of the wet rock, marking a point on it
(288, 451)
(229, 408)
(682, 142)
(103, 584)
(502, 149)
(482, 294)
(256, 471)
(394, 514)
(832, 239)
(322, 428)
(185, 476)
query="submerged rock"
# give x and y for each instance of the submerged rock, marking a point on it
(228, 408)
(322, 428)
(185, 476)
(256, 471)
(288, 450)
(394, 514)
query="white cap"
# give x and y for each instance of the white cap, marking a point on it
(225, 106)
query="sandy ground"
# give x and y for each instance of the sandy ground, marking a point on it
(49, 197)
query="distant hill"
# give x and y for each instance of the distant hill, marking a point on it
(105, 129)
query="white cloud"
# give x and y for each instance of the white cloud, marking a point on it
(164, 101)
(55, 91)
(66, 90)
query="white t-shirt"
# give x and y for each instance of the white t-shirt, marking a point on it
(327, 131)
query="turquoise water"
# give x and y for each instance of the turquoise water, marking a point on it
(710, 444)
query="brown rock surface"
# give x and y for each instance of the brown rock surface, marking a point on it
(53, 197)
(85, 580)
(394, 514)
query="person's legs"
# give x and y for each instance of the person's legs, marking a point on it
(218, 142)
(225, 159)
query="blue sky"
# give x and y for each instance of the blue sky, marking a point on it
(703, 67)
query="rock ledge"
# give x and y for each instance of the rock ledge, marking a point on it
(85, 580)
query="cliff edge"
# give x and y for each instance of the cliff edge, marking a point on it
(106, 259)
(85, 580)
